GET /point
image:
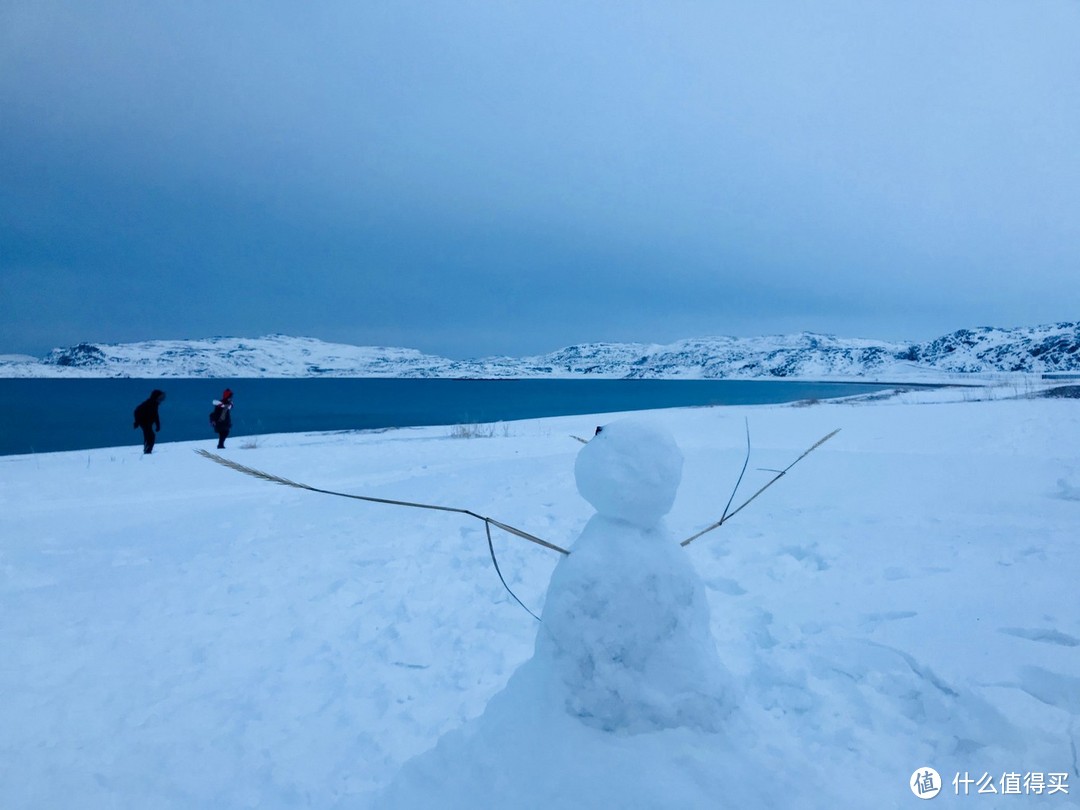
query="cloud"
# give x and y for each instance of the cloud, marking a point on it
(370, 170)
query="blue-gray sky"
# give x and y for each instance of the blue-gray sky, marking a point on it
(476, 178)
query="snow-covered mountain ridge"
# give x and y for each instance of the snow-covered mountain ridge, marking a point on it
(1045, 349)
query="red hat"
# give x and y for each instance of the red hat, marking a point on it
(227, 394)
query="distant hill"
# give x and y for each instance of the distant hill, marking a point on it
(986, 350)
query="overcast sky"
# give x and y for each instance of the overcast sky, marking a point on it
(503, 177)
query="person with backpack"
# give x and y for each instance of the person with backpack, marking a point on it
(221, 417)
(148, 418)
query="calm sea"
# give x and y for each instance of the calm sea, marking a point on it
(47, 415)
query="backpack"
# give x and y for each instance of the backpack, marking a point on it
(220, 419)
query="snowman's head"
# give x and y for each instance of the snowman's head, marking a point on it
(630, 471)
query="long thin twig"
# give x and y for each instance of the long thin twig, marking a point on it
(277, 479)
(742, 472)
(728, 516)
(502, 579)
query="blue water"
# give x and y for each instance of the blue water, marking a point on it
(49, 415)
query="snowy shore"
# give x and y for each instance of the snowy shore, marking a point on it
(178, 635)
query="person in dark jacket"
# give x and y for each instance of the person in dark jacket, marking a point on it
(221, 418)
(147, 418)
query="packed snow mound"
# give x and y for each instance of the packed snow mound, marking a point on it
(625, 663)
(625, 641)
(625, 638)
(630, 471)
(525, 753)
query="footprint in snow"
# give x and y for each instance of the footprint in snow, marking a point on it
(1052, 688)
(1047, 636)
(1067, 491)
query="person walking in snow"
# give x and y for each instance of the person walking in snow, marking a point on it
(221, 417)
(148, 418)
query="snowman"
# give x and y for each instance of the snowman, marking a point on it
(625, 635)
(625, 702)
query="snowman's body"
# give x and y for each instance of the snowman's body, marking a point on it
(625, 636)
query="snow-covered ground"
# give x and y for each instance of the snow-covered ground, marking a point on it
(174, 634)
